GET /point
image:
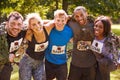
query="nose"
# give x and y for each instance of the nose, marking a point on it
(38, 25)
(79, 18)
(16, 26)
(60, 22)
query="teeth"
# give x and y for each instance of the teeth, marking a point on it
(15, 30)
(96, 32)
(80, 21)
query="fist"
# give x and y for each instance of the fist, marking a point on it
(11, 57)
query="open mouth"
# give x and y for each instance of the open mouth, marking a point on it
(97, 32)
(15, 30)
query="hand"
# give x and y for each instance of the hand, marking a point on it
(118, 66)
(69, 17)
(11, 57)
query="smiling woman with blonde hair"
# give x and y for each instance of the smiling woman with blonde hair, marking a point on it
(32, 63)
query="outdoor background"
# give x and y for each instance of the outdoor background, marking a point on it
(46, 9)
(114, 75)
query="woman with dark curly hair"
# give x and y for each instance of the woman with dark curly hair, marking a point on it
(105, 48)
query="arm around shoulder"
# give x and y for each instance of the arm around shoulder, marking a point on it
(49, 26)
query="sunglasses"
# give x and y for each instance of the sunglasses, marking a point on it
(16, 16)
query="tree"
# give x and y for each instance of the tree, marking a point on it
(99, 7)
(46, 8)
(65, 5)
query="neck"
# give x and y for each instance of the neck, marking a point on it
(99, 37)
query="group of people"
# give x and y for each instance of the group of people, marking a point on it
(94, 54)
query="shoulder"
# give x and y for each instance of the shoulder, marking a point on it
(71, 21)
(67, 27)
(2, 30)
(68, 30)
(90, 21)
(23, 33)
(113, 39)
(73, 24)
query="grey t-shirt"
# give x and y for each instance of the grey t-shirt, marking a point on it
(83, 36)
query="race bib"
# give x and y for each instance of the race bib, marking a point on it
(83, 45)
(58, 50)
(97, 46)
(41, 47)
(15, 45)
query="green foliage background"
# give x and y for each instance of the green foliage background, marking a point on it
(47, 7)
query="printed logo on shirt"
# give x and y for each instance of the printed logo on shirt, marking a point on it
(15, 45)
(97, 46)
(41, 47)
(83, 45)
(58, 49)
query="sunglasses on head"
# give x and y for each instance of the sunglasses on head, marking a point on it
(16, 16)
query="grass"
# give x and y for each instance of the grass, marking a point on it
(114, 75)
(14, 75)
(116, 29)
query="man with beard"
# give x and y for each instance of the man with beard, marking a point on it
(83, 60)
(14, 37)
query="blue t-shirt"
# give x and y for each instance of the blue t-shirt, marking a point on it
(56, 51)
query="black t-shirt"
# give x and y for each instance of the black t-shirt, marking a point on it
(15, 42)
(36, 50)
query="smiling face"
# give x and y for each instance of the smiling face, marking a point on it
(99, 30)
(14, 26)
(60, 19)
(35, 24)
(34, 21)
(102, 27)
(60, 22)
(80, 15)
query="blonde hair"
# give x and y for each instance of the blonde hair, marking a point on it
(60, 13)
(32, 16)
